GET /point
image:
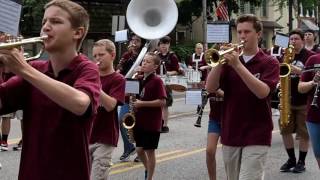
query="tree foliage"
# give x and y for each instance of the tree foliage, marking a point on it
(193, 8)
(306, 4)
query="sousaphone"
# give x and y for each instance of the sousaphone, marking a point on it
(150, 19)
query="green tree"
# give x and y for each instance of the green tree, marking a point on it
(32, 11)
(190, 10)
(306, 4)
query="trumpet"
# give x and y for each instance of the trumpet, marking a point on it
(17, 42)
(215, 57)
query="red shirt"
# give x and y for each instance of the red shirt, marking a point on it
(150, 118)
(126, 61)
(246, 119)
(106, 126)
(313, 113)
(215, 107)
(298, 99)
(55, 141)
(171, 62)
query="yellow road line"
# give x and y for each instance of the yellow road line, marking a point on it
(13, 141)
(133, 163)
(167, 158)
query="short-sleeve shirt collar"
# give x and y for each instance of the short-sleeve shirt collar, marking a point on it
(72, 65)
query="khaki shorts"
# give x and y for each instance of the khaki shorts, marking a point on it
(297, 122)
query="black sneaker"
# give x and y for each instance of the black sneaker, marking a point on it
(299, 168)
(126, 155)
(137, 159)
(165, 129)
(286, 167)
(18, 146)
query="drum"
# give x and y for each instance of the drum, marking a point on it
(175, 83)
(193, 76)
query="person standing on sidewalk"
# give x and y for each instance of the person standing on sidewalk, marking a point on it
(125, 63)
(247, 81)
(105, 130)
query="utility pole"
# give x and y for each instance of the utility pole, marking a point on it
(229, 5)
(204, 25)
(290, 14)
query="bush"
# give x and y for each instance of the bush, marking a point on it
(183, 51)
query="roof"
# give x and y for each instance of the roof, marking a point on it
(271, 24)
(307, 24)
(266, 24)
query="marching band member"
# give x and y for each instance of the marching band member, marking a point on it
(310, 39)
(197, 61)
(59, 97)
(105, 130)
(5, 119)
(214, 130)
(246, 130)
(309, 83)
(125, 63)
(298, 108)
(148, 114)
(169, 66)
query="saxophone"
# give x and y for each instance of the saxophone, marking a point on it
(285, 86)
(129, 119)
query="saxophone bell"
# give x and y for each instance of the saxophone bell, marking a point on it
(129, 121)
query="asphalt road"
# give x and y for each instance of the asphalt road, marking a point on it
(181, 153)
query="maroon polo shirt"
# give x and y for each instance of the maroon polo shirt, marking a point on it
(246, 119)
(298, 99)
(215, 108)
(171, 62)
(150, 118)
(55, 141)
(313, 113)
(106, 126)
(126, 61)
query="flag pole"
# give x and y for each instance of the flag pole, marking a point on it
(204, 25)
(229, 5)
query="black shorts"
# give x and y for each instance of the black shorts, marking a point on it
(146, 140)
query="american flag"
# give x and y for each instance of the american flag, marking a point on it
(222, 11)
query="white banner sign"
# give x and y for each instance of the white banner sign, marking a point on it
(218, 33)
(10, 12)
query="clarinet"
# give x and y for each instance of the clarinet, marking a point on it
(314, 103)
(204, 102)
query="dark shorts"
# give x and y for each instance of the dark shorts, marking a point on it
(146, 140)
(169, 100)
(214, 126)
(297, 122)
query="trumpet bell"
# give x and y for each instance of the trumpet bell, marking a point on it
(152, 19)
(17, 42)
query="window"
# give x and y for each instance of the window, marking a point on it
(246, 7)
(264, 8)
